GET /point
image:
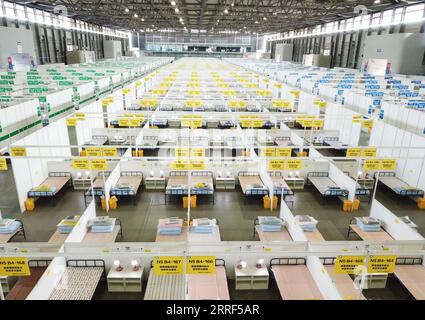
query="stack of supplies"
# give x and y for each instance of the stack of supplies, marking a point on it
(67, 224)
(170, 226)
(409, 222)
(203, 225)
(103, 224)
(307, 223)
(369, 224)
(270, 224)
(9, 226)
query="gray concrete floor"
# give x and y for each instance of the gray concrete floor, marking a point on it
(234, 213)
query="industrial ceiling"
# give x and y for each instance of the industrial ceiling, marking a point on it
(265, 16)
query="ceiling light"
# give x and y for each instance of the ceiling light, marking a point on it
(126, 10)
(176, 10)
(264, 18)
(232, 4)
(173, 3)
(256, 22)
(226, 11)
(181, 19)
(136, 15)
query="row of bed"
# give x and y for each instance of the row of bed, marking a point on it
(292, 276)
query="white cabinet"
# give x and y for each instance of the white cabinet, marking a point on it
(155, 183)
(225, 183)
(252, 278)
(126, 280)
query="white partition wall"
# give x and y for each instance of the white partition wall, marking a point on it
(49, 280)
(343, 180)
(294, 229)
(80, 230)
(323, 280)
(392, 224)
(30, 173)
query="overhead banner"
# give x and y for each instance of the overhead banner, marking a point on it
(371, 165)
(284, 152)
(168, 265)
(369, 152)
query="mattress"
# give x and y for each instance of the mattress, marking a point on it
(283, 143)
(205, 237)
(24, 285)
(102, 237)
(202, 179)
(77, 283)
(247, 181)
(282, 235)
(413, 278)
(165, 287)
(54, 183)
(173, 238)
(296, 283)
(343, 283)
(131, 183)
(208, 286)
(177, 183)
(323, 184)
(279, 182)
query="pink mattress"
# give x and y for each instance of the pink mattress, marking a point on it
(208, 286)
(296, 283)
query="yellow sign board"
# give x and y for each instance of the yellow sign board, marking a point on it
(293, 164)
(18, 152)
(368, 124)
(92, 151)
(354, 152)
(80, 116)
(268, 152)
(200, 265)
(356, 119)
(276, 165)
(14, 267)
(283, 152)
(197, 152)
(80, 164)
(369, 152)
(348, 264)
(71, 122)
(99, 164)
(197, 165)
(124, 122)
(388, 165)
(181, 152)
(318, 123)
(381, 264)
(138, 84)
(371, 165)
(3, 164)
(109, 152)
(180, 165)
(168, 265)
(125, 91)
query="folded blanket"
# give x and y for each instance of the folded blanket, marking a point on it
(11, 228)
